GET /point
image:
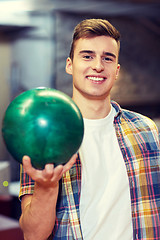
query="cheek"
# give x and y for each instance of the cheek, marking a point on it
(81, 65)
(76, 73)
(114, 72)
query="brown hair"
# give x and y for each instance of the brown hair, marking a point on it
(93, 27)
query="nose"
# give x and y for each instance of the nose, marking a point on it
(97, 65)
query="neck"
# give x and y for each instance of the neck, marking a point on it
(92, 108)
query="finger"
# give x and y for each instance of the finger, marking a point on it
(70, 163)
(58, 172)
(30, 170)
(26, 161)
(48, 171)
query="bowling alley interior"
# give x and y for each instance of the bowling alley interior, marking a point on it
(35, 38)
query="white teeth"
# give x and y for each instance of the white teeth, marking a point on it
(96, 78)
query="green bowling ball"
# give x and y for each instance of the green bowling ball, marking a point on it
(44, 124)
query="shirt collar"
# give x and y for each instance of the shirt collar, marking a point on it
(117, 108)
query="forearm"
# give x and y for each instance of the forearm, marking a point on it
(39, 210)
(38, 217)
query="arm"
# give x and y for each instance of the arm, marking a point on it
(39, 210)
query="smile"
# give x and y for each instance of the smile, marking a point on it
(96, 79)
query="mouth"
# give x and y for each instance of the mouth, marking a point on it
(96, 79)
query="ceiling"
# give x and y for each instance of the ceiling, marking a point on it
(14, 15)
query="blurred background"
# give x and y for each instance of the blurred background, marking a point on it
(35, 41)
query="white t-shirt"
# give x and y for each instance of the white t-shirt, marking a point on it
(105, 205)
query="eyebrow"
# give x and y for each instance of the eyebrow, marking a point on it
(87, 51)
(109, 54)
(93, 52)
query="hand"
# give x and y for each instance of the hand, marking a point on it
(50, 175)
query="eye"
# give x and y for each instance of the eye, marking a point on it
(87, 57)
(107, 59)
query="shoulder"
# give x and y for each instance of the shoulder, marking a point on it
(138, 119)
(140, 124)
(132, 116)
(136, 122)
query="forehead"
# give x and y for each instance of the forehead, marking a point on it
(97, 44)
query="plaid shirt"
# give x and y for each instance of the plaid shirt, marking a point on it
(138, 140)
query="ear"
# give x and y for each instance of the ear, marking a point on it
(117, 71)
(69, 66)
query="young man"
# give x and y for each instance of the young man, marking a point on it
(110, 189)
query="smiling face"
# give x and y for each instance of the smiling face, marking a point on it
(94, 67)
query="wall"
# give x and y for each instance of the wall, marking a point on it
(5, 52)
